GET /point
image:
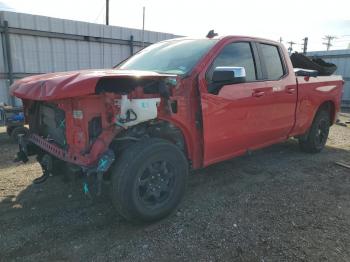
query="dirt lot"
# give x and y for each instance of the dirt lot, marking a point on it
(276, 205)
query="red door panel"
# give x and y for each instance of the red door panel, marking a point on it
(233, 120)
(249, 115)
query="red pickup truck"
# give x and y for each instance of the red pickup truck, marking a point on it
(176, 105)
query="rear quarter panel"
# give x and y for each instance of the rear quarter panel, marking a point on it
(312, 93)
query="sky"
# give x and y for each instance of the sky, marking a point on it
(272, 19)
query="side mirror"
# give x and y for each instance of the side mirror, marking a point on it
(305, 72)
(226, 75)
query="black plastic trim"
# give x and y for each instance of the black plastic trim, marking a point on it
(257, 61)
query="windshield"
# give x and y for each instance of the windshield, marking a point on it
(172, 57)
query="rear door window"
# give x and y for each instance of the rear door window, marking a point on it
(272, 60)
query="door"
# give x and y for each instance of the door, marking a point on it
(250, 115)
(281, 109)
(236, 116)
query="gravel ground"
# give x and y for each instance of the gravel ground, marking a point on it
(277, 204)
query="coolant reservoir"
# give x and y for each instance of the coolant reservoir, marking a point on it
(135, 111)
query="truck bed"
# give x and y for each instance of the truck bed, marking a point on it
(312, 92)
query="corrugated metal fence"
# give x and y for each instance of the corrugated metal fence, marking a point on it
(34, 44)
(342, 59)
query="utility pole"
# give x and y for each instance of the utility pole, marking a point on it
(306, 39)
(291, 43)
(143, 25)
(107, 12)
(280, 40)
(329, 39)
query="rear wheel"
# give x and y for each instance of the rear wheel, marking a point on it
(317, 136)
(149, 180)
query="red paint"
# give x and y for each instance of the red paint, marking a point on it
(241, 117)
(65, 85)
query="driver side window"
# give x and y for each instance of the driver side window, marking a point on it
(235, 54)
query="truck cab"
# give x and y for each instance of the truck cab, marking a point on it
(176, 105)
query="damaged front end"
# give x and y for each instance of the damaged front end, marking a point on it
(74, 117)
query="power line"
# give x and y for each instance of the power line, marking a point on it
(291, 43)
(99, 13)
(341, 40)
(329, 39)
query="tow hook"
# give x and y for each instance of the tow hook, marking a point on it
(46, 166)
(104, 163)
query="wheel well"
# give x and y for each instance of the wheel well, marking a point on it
(329, 107)
(158, 129)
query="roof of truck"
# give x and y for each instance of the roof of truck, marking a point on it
(223, 37)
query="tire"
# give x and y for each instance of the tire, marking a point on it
(9, 130)
(149, 180)
(317, 136)
(17, 131)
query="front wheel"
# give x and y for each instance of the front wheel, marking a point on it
(149, 180)
(19, 130)
(317, 136)
(9, 130)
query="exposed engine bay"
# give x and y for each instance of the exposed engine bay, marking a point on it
(77, 133)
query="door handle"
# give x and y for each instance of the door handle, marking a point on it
(290, 90)
(258, 93)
